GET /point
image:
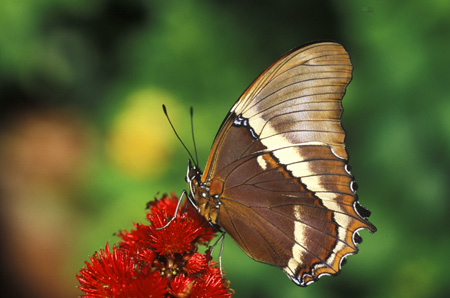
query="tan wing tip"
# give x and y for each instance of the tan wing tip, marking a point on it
(330, 45)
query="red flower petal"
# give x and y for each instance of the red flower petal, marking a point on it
(146, 255)
(168, 204)
(211, 286)
(178, 237)
(134, 240)
(181, 286)
(117, 275)
(197, 263)
(151, 285)
(207, 231)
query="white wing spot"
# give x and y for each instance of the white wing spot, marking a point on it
(300, 237)
(262, 162)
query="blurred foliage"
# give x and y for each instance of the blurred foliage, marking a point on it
(84, 142)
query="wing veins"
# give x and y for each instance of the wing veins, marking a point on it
(314, 228)
(299, 104)
(282, 231)
(290, 85)
(301, 204)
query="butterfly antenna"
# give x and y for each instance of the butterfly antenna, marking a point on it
(193, 138)
(173, 128)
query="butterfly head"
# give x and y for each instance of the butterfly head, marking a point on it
(192, 178)
(199, 195)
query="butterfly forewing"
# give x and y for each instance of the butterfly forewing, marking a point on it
(278, 166)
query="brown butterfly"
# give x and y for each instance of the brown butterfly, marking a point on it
(277, 179)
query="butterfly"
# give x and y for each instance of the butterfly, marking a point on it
(277, 179)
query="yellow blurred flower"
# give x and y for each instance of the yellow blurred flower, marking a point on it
(140, 142)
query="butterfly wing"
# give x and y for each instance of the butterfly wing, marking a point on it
(279, 166)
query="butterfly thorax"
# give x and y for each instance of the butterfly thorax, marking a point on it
(200, 196)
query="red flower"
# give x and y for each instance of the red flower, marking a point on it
(135, 240)
(181, 286)
(118, 275)
(178, 237)
(152, 262)
(210, 285)
(198, 263)
(168, 204)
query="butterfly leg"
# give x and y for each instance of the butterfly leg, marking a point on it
(221, 239)
(184, 193)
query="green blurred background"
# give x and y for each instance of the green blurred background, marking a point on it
(84, 144)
